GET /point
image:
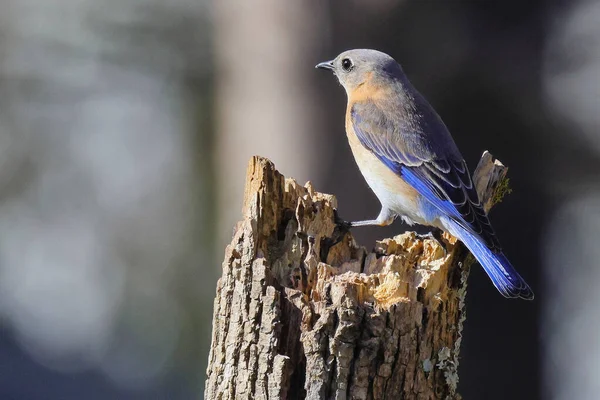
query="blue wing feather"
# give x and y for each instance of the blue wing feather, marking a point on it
(442, 179)
(414, 143)
(422, 187)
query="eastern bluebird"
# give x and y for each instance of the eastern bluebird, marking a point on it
(408, 158)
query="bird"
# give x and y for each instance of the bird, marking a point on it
(410, 161)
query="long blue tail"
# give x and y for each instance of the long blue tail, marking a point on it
(506, 279)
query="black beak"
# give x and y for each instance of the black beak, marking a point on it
(325, 65)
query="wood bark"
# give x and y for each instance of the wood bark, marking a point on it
(303, 312)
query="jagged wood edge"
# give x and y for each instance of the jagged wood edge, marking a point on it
(269, 374)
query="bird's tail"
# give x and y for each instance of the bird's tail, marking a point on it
(506, 279)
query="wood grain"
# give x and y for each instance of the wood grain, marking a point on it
(299, 316)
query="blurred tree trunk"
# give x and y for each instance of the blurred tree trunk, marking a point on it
(105, 186)
(265, 51)
(298, 315)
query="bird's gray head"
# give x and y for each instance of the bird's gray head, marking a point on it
(354, 68)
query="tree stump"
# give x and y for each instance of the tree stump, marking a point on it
(303, 312)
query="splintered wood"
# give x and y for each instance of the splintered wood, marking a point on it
(303, 312)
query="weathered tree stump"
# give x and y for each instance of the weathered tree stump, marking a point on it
(298, 316)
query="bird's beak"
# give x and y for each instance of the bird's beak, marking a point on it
(325, 65)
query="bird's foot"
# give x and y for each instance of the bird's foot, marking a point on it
(341, 228)
(339, 232)
(435, 235)
(342, 225)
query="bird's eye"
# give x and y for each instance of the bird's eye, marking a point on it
(347, 64)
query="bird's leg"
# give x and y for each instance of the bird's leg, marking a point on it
(385, 217)
(436, 235)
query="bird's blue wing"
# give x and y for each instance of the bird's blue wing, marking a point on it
(438, 174)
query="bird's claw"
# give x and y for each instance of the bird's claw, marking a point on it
(341, 228)
(339, 232)
(342, 225)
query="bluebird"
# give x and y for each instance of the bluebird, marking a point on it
(410, 161)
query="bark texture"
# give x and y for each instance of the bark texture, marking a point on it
(303, 312)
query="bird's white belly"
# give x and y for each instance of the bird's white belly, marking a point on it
(401, 203)
(391, 190)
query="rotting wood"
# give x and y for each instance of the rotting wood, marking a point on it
(296, 317)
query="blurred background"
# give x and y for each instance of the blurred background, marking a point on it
(126, 127)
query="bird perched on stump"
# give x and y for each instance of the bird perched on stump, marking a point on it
(409, 159)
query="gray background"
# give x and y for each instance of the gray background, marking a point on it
(126, 126)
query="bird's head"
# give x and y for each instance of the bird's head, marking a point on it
(354, 68)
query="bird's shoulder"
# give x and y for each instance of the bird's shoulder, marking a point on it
(402, 119)
(387, 128)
